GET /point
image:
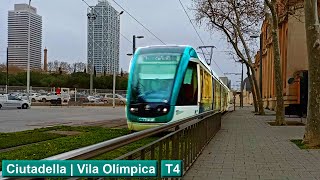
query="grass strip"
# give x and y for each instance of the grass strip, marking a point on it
(301, 145)
(8, 140)
(90, 135)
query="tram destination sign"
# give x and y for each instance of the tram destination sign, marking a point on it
(162, 57)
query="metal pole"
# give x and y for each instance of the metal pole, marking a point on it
(92, 62)
(75, 95)
(234, 102)
(114, 87)
(7, 78)
(114, 71)
(260, 79)
(28, 63)
(241, 100)
(133, 44)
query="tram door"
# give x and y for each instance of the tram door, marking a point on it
(187, 102)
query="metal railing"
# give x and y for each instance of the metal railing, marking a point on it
(186, 140)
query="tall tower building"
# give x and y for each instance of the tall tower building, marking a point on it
(103, 38)
(18, 31)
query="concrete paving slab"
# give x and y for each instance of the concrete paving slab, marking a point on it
(247, 147)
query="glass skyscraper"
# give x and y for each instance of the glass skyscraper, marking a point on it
(103, 38)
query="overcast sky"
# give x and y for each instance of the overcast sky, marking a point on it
(65, 29)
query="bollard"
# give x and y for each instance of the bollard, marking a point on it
(234, 103)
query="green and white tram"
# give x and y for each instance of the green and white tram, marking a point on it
(169, 83)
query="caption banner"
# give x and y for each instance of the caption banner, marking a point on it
(90, 168)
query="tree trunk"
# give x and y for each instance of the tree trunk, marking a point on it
(254, 96)
(312, 134)
(277, 66)
(246, 48)
(277, 72)
(260, 103)
(278, 78)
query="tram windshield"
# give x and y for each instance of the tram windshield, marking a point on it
(153, 77)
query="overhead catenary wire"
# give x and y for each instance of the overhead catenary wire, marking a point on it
(139, 22)
(119, 32)
(126, 38)
(198, 33)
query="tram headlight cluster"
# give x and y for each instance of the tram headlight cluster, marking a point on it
(164, 110)
(150, 110)
(133, 109)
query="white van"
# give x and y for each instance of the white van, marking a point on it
(13, 101)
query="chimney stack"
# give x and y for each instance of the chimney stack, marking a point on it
(45, 63)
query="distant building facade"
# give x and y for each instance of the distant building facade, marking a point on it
(18, 32)
(103, 38)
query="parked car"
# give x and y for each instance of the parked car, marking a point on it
(54, 96)
(32, 96)
(79, 98)
(48, 97)
(13, 101)
(118, 99)
(40, 95)
(95, 99)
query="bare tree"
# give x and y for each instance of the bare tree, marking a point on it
(3, 67)
(56, 65)
(277, 64)
(79, 66)
(254, 96)
(50, 66)
(237, 20)
(65, 67)
(312, 134)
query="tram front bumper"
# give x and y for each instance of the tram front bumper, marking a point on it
(142, 126)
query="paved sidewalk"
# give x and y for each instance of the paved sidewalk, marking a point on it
(247, 147)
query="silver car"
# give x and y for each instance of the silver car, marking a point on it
(118, 99)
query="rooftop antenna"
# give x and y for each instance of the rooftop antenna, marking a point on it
(208, 59)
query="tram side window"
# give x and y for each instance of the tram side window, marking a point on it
(217, 96)
(189, 89)
(206, 92)
(213, 94)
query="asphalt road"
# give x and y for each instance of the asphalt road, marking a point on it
(12, 120)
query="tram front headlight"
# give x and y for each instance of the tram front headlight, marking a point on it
(133, 109)
(165, 110)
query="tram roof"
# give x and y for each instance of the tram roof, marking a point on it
(180, 49)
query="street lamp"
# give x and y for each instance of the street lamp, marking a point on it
(260, 73)
(114, 74)
(241, 88)
(29, 46)
(134, 42)
(92, 16)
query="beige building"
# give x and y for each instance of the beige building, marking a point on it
(294, 62)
